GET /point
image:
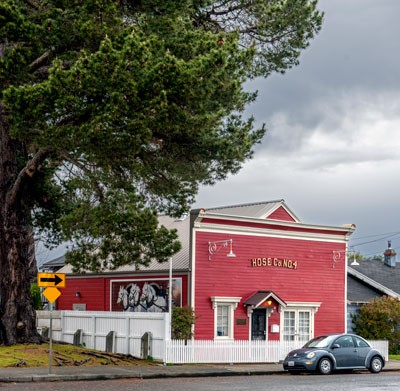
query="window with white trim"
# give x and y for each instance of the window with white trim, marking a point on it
(224, 308)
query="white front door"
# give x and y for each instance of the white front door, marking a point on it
(296, 325)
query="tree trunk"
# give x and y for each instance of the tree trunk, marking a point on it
(17, 259)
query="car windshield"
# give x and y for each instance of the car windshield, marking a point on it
(320, 342)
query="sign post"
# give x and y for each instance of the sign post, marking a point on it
(51, 281)
(51, 337)
(170, 300)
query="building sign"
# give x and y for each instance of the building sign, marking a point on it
(145, 295)
(273, 262)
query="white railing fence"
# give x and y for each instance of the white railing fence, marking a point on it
(382, 346)
(130, 327)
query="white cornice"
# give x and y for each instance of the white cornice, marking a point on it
(251, 231)
(349, 229)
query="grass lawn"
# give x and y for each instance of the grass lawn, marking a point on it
(31, 355)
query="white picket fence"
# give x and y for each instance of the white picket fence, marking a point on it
(219, 352)
(129, 328)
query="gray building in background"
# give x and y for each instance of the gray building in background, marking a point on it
(369, 279)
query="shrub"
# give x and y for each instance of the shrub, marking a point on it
(380, 319)
(183, 319)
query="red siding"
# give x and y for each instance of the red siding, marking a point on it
(317, 278)
(281, 214)
(93, 293)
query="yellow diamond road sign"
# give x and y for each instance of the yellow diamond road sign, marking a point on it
(51, 280)
(51, 294)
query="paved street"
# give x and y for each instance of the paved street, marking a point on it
(338, 382)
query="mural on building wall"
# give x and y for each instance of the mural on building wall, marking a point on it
(145, 296)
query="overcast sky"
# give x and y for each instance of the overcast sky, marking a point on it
(332, 150)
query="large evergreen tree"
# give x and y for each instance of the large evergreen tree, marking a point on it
(114, 111)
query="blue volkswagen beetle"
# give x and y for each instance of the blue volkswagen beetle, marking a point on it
(328, 353)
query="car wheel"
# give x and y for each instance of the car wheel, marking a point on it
(325, 366)
(376, 365)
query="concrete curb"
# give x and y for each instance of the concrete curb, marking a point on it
(163, 375)
(98, 373)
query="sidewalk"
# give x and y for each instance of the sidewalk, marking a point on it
(144, 372)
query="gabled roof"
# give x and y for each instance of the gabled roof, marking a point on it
(258, 210)
(375, 275)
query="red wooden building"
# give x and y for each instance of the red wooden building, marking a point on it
(251, 271)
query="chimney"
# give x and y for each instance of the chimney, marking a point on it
(390, 256)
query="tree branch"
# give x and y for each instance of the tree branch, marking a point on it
(39, 61)
(32, 5)
(83, 168)
(27, 172)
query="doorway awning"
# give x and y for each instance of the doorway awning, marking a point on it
(263, 299)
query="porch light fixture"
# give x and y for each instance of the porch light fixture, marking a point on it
(214, 247)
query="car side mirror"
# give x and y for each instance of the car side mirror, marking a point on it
(335, 346)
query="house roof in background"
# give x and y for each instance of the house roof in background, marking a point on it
(370, 279)
(378, 275)
(54, 263)
(360, 292)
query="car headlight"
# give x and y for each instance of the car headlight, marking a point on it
(310, 355)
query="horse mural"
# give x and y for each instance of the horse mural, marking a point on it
(153, 298)
(134, 298)
(129, 297)
(143, 297)
(123, 297)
